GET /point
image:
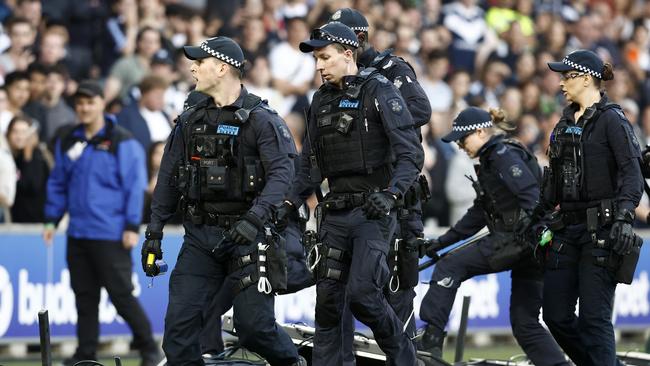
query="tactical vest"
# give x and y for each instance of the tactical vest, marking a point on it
(220, 174)
(348, 143)
(583, 171)
(501, 206)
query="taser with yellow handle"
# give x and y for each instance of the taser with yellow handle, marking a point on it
(151, 258)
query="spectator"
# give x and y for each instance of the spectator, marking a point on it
(254, 40)
(121, 31)
(491, 85)
(7, 179)
(18, 92)
(19, 54)
(30, 10)
(437, 90)
(53, 46)
(129, 70)
(32, 169)
(145, 118)
(258, 82)
(99, 178)
(162, 65)
(34, 107)
(466, 21)
(57, 111)
(292, 70)
(5, 115)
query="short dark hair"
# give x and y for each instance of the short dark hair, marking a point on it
(37, 68)
(59, 68)
(16, 76)
(152, 82)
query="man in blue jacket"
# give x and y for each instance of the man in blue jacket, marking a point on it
(99, 178)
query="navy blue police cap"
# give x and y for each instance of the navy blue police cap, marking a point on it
(352, 18)
(468, 121)
(333, 32)
(222, 48)
(581, 60)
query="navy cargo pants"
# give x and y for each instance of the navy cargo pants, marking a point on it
(525, 299)
(200, 272)
(364, 276)
(408, 227)
(571, 273)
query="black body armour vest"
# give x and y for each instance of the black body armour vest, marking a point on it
(583, 171)
(221, 174)
(348, 143)
(500, 204)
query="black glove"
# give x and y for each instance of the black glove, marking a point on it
(246, 229)
(621, 234)
(152, 246)
(379, 205)
(523, 227)
(432, 248)
(282, 214)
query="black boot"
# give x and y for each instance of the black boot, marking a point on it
(431, 341)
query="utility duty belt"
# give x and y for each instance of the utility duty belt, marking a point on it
(343, 201)
(597, 214)
(200, 217)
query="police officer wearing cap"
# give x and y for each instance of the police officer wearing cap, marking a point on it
(507, 190)
(229, 162)
(595, 178)
(403, 258)
(360, 137)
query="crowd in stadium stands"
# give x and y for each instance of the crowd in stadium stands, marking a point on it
(486, 53)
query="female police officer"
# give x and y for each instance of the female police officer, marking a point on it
(595, 177)
(507, 189)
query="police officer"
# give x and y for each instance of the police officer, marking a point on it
(507, 191)
(595, 178)
(361, 138)
(403, 262)
(229, 162)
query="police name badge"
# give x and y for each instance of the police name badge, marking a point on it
(227, 130)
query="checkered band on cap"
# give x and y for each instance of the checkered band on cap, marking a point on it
(576, 66)
(330, 37)
(220, 56)
(360, 29)
(472, 127)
